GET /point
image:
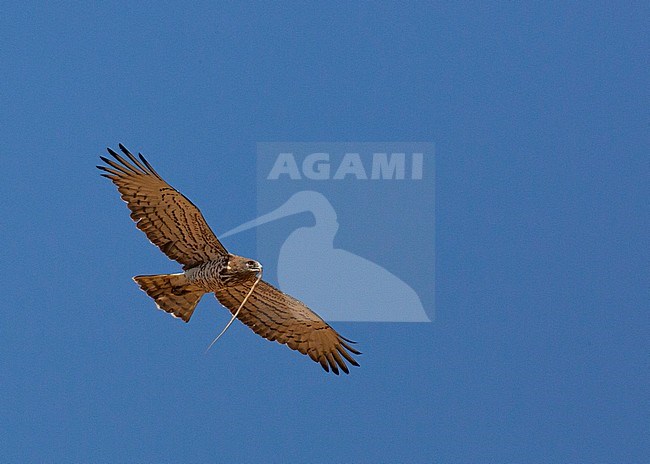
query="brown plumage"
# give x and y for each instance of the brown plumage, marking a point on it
(177, 227)
(171, 221)
(279, 317)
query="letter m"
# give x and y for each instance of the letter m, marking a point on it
(384, 167)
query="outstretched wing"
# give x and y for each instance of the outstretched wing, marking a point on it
(279, 317)
(171, 221)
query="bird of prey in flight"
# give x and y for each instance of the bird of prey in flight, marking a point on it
(176, 226)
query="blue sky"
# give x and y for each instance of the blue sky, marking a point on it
(539, 114)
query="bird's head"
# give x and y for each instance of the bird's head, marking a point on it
(242, 269)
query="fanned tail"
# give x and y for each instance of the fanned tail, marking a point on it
(172, 293)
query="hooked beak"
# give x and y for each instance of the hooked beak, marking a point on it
(289, 208)
(256, 268)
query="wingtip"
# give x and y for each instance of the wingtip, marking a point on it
(324, 365)
(125, 150)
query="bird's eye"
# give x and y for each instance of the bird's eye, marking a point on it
(251, 263)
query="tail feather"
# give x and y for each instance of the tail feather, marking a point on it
(172, 293)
